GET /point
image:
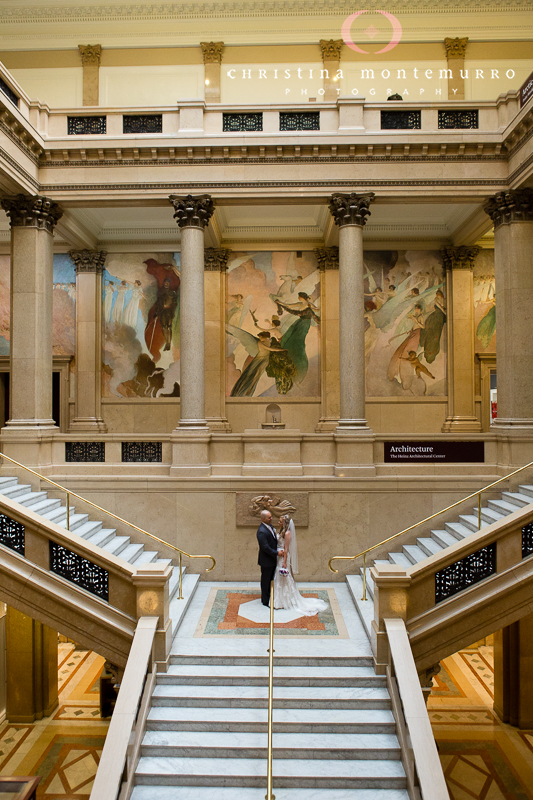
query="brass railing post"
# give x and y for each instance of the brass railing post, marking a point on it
(269, 795)
(68, 511)
(180, 579)
(364, 577)
(479, 511)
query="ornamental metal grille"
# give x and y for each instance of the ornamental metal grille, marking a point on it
(465, 573)
(459, 118)
(78, 126)
(79, 570)
(12, 534)
(527, 540)
(142, 123)
(400, 120)
(242, 122)
(4, 88)
(299, 120)
(84, 451)
(142, 451)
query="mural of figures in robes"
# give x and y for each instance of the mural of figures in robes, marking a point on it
(141, 325)
(272, 325)
(485, 302)
(405, 318)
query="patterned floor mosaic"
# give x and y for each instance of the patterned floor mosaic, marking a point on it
(221, 618)
(482, 758)
(64, 749)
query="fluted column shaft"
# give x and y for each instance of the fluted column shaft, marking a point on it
(192, 215)
(89, 265)
(32, 222)
(350, 213)
(512, 214)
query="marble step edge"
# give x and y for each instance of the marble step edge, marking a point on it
(239, 726)
(178, 608)
(252, 680)
(252, 781)
(239, 793)
(322, 742)
(172, 767)
(365, 608)
(279, 703)
(222, 691)
(261, 661)
(345, 754)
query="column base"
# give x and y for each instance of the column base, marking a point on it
(193, 425)
(190, 452)
(30, 425)
(30, 446)
(462, 425)
(218, 424)
(88, 424)
(354, 426)
(354, 453)
(512, 423)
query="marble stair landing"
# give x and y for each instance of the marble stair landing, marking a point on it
(334, 731)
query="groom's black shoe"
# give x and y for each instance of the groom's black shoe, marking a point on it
(266, 605)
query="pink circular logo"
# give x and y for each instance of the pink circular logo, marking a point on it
(396, 31)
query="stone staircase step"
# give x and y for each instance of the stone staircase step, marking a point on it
(503, 506)
(312, 773)
(401, 559)
(44, 505)
(489, 515)
(232, 696)
(89, 529)
(116, 545)
(75, 520)
(131, 552)
(414, 553)
(429, 546)
(293, 720)
(444, 538)
(471, 522)
(517, 498)
(457, 530)
(204, 675)
(365, 608)
(279, 661)
(57, 515)
(102, 537)
(249, 793)
(32, 498)
(146, 557)
(17, 490)
(6, 483)
(204, 744)
(526, 489)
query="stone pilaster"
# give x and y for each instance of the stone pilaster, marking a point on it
(90, 58)
(459, 265)
(190, 450)
(32, 220)
(328, 264)
(512, 215)
(455, 56)
(215, 266)
(513, 673)
(89, 265)
(331, 60)
(212, 53)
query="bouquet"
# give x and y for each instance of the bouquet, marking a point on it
(283, 571)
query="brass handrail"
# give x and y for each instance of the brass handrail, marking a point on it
(269, 795)
(110, 514)
(427, 519)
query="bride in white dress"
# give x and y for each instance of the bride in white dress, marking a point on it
(286, 595)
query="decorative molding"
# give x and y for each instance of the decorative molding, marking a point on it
(192, 212)
(331, 49)
(212, 52)
(351, 209)
(88, 260)
(216, 259)
(512, 206)
(90, 54)
(456, 48)
(27, 211)
(18, 134)
(459, 257)
(4, 156)
(327, 257)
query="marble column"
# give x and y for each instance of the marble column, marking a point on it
(328, 264)
(459, 265)
(215, 266)
(331, 60)
(192, 215)
(513, 673)
(512, 215)
(212, 53)
(455, 57)
(350, 212)
(89, 265)
(90, 58)
(32, 221)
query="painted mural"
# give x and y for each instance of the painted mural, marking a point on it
(273, 325)
(64, 306)
(141, 313)
(485, 302)
(405, 324)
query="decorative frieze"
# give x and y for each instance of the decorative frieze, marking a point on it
(239, 123)
(88, 260)
(512, 206)
(327, 257)
(455, 48)
(192, 212)
(249, 506)
(331, 49)
(142, 123)
(212, 52)
(90, 54)
(83, 126)
(459, 257)
(32, 211)
(351, 209)
(216, 259)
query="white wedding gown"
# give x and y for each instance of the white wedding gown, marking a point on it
(286, 594)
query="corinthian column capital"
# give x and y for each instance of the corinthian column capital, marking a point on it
(456, 48)
(216, 259)
(351, 209)
(459, 257)
(212, 52)
(90, 53)
(512, 206)
(88, 260)
(327, 257)
(192, 212)
(331, 49)
(32, 211)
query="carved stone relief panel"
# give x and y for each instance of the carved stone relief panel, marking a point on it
(250, 504)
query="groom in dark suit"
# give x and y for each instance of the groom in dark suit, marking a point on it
(268, 554)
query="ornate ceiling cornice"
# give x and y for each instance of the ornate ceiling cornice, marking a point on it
(141, 12)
